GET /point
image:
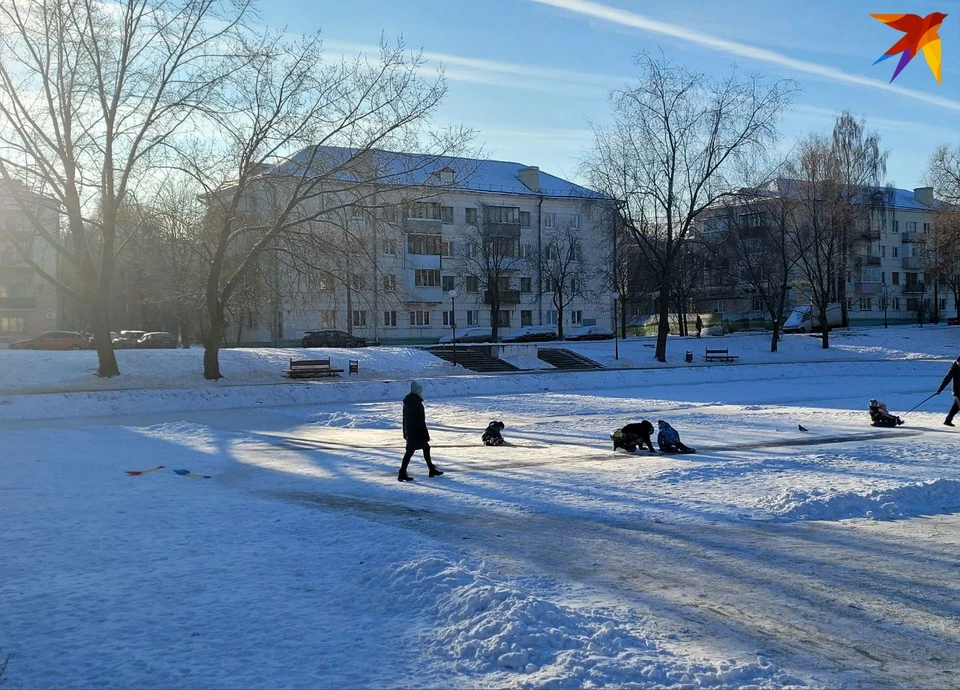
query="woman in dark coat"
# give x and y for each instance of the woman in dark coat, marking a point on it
(952, 375)
(415, 432)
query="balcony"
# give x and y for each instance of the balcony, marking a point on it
(428, 261)
(865, 288)
(511, 230)
(871, 234)
(914, 263)
(868, 260)
(506, 297)
(425, 295)
(422, 226)
(911, 289)
(18, 303)
(908, 237)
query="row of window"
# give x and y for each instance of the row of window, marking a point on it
(422, 318)
(12, 324)
(894, 304)
(427, 277)
(512, 215)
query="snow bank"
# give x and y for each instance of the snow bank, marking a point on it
(493, 628)
(907, 500)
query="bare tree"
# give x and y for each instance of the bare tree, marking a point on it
(943, 174)
(561, 267)
(818, 220)
(861, 165)
(90, 94)
(675, 147)
(762, 253)
(488, 259)
(888, 293)
(944, 246)
(339, 121)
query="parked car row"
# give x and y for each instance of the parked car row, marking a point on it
(529, 334)
(71, 340)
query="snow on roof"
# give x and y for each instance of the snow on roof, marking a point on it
(463, 174)
(894, 196)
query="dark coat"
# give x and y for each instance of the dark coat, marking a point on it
(415, 422)
(492, 436)
(952, 375)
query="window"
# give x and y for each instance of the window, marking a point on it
(552, 317)
(473, 318)
(926, 227)
(524, 219)
(423, 211)
(389, 282)
(419, 318)
(392, 214)
(472, 284)
(326, 281)
(574, 286)
(12, 324)
(503, 283)
(896, 226)
(575, 221)
(526, 285)
(328, 318)
(718, 307)
(503, 318)
(390, 319)
(358, 282)
(503, 214)
(883, 278)
(446, 214)
(424, 244)
(359, 317)
(526, 250)
(390, 247)
(446, 283)
(896, 277)
(549, 220)
(473, 250)
(576, 317)
(866, 304)
(942, 304)
(526, 317)
(424, 277)
(911, 226)
(894, 252)
(470, 215)
(446, 249)
(549, 284)
(895, 304)
(750, 220)
(448, 318)
(883, 252)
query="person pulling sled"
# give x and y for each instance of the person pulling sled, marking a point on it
(880, 415)
(669, 440)
(632, 436)
(492, 436)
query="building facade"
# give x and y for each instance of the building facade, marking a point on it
(29, 304)
(886, 277)
(411, 266)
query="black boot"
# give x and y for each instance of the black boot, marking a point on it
(404, 477)
(434, 472)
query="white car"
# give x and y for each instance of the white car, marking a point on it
(470, 335)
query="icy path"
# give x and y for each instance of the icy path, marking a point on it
(551, 562)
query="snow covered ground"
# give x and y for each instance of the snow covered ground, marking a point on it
(772, 558)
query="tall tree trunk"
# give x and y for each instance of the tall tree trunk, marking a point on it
(663, 327)
(623, 320)
(106, 357)
(217, 327)
(824, 329)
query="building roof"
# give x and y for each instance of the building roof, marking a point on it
(894, 197)
(391, 168)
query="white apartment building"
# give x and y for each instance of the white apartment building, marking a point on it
(414, 268)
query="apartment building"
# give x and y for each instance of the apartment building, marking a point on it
(29, 304)
(886, 267)
(411, 265)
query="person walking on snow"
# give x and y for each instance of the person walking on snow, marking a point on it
(415, 432)
(952, 375)
(699, 325)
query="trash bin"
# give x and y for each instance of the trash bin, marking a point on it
(689, 356)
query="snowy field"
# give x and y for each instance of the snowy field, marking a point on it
(772, 558)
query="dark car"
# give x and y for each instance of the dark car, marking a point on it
(532, 334)
(127, 340)
(331, 338)
(52, 340)
(157, 340)
(590, 333)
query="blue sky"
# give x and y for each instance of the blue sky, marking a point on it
(532, 75)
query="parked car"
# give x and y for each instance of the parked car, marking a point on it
(953, 321)
(6, 341)
(590, 333)
(52, 340)
(470, 335)
(157, 340)
(331, 338)
(805, 319)
(127, 339)
(92, 340)
(532, 334)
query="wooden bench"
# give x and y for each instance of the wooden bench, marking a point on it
(308, 368)
(354, 367)
(720, 356)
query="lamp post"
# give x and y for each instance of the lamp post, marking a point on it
(453, 322)
(616, 336)
(921, 307)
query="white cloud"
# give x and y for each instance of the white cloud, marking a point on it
(636, 21)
